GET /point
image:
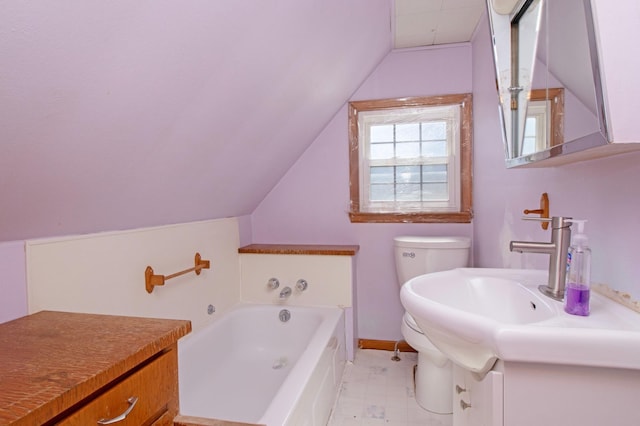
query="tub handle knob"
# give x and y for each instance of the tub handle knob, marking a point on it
(273, 283)
(301, 285)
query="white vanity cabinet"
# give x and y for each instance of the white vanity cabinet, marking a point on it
(557, 395)
(533, 394)
(477, 402)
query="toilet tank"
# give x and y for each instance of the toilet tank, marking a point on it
(422, 255)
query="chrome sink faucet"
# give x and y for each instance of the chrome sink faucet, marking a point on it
(557, 250)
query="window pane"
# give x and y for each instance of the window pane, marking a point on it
(434, 191)
(408, 192)
(434, 173)
(408, 174)
(408, 132)
(381, 175)
(381, 192)
(435, 149)
(434, 130)
(381, 151)
(382, 133)
(408, 150)
(531, 124)
(529, 142)
(528, 146)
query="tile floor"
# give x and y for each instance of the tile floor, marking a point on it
(378, 391)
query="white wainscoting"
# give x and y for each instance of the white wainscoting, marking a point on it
(104, 273)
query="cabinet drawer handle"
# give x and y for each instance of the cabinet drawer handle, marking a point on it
(132, 403)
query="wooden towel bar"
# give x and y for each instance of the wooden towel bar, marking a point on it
(151, 280)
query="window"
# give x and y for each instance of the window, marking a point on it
(535, 128)
(410, 159)
(544, 125)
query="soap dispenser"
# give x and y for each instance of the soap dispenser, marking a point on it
(577, 289)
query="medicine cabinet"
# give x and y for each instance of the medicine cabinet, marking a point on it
(550, 51)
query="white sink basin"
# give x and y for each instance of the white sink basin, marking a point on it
(476, 316)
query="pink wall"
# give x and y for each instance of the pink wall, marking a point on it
(499, 194)
(13, 290)
(603, 191)
(122, 115)
(310, 204)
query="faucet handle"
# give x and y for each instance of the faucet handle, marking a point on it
(301, 284)
(273, 283)
(537, 219)
(561, 222)
(556, 221)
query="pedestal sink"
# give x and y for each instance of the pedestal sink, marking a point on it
(478, 315)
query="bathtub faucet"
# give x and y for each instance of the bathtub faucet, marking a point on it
(286, 292)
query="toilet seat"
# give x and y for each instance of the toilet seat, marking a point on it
(411, 322)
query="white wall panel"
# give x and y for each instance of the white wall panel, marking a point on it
(329, 278)
(104, 273)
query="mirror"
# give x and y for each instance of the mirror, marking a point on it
(548, 79)
(544, 121)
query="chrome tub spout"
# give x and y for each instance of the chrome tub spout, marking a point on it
(285, 293)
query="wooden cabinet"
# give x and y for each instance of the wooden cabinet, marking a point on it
(77, 369)
(145, 396)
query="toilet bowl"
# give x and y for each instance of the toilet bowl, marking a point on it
(434, 375)
(417, 256)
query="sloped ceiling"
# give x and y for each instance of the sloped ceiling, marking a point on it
(132, 113)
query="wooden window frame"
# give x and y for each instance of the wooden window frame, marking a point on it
(465, 213)
(555, 120)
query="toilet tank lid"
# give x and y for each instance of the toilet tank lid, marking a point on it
(432, 242)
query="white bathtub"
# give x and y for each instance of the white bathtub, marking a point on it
(248, 366)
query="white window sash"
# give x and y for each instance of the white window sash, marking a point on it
(450, 113)
(539, 110)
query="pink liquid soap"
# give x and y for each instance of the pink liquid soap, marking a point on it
(576, 298)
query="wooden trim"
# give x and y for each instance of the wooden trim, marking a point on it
(466, 155)
(313, 249)
(465, 214)
(181, 420)
(556, 121)
(384, 345)
(415, 101)
(359, 217)
(354, 158)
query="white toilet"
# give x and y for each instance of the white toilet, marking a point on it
(418, 256)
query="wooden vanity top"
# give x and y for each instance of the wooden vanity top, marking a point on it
(50, 361)
(314, 249)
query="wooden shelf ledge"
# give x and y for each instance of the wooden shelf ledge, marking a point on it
(314, 249)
